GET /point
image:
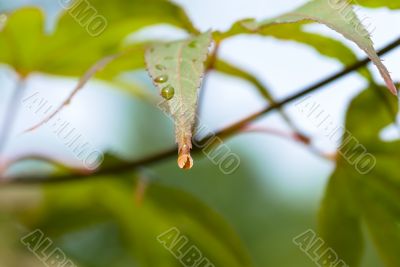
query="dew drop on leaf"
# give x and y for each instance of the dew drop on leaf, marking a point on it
(161, 79)
(160, 67)
(168, 92)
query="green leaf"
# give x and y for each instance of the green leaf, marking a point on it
(73, 47)
(392, 4)
(337, 15)
(294, 32)
(230, 69)
(20, 39)
(177, 69)
(373, 197)
(182, 204)
(79, 206)
(339, 221)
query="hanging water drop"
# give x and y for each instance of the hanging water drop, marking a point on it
(168, 92)
(161, 79)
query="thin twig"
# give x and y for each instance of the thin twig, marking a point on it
(110, 172)
(230, 69)
(84, 79)
(6, 164)
(288, 136)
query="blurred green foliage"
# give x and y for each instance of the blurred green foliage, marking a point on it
(114, 220)
(353, 199)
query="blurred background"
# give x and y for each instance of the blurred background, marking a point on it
(273, 196)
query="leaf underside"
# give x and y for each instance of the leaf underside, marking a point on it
(180, 65)
(337, 15)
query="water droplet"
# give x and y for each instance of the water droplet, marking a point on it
(168, 92)
(160, 67)
(193, 44)
(161, 79)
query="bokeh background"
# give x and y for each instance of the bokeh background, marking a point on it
(273, 196)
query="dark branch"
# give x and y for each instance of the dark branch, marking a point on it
(224, 133)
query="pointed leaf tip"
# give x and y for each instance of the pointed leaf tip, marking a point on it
(391, 86)
(338, 15)
(185, 161)
(177, 69)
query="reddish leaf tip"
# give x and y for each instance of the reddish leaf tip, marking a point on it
(185, 161)
(391, 86)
